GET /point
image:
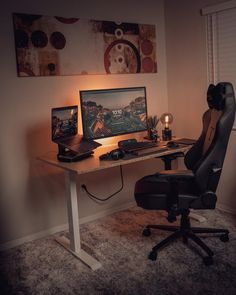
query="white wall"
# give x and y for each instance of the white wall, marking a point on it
(187, 82)
(32, 194)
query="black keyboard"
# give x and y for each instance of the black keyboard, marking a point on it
(138, 145)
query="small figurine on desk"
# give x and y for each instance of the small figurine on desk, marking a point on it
(152, 122)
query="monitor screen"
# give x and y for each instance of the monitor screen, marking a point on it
(64, 122)
(111, 112)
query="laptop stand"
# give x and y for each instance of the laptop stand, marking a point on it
(66, 155)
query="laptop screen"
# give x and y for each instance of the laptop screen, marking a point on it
(64, 122)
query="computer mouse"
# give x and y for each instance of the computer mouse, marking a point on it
(172, 144)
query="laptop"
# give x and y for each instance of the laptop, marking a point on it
(64, 129)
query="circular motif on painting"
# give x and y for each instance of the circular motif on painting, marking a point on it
(146, 47)
(119, 33)
(124, 60)
(147, 65)
(39, 39)
(120, 47)
(66, 20)
(58, 40)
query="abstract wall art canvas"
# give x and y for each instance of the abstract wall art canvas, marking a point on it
(56, 46)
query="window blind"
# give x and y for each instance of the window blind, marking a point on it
(221, 44)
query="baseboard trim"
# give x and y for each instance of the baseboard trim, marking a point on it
(107, 212)
(226, 209)
(33, 237)
(63, 227)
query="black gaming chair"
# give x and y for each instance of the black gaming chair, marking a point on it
(177, 191)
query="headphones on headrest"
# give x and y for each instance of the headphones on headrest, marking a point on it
(216, 96)
(113, 155)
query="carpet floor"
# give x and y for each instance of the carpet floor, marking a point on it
(44, 267)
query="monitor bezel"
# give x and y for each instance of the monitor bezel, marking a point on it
(121, 89)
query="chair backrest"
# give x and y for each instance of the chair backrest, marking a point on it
(206, 157)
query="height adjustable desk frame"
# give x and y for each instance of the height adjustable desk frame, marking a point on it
(72, 170)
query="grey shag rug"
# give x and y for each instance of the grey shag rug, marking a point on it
(44, 267)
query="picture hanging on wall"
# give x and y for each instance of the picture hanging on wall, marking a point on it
(57, 46)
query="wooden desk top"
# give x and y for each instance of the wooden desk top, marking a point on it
(94, 164)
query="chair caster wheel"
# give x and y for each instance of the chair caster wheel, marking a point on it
(208, 260)
(224, 237)
(146, 232)
(152, 256)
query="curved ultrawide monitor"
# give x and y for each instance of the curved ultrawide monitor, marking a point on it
(111, 112)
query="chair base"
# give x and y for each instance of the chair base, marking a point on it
(186, 232)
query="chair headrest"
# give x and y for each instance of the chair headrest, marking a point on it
(216, 96)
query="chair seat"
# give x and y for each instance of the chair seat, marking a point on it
(157, 191)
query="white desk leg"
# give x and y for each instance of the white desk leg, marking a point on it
(73, 245)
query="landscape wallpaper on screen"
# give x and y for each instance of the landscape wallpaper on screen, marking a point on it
(64, 122)
(112, 113)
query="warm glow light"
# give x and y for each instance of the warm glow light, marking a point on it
(166, 122)
(107, 141)
(166, 119)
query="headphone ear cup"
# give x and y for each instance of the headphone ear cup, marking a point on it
(122, 153)
(105, 156)
(113, 155)
(117, 154)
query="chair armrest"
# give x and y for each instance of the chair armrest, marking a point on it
(173, 156)
(176, 174)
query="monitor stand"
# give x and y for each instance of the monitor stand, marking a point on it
(66, 155)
